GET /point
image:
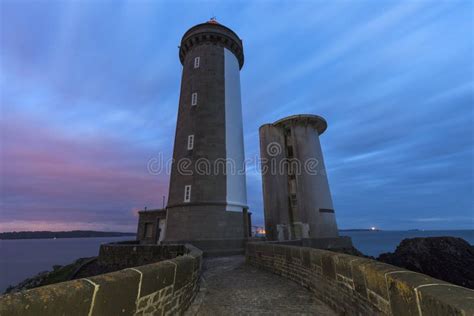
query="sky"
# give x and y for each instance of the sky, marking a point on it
(89, 94)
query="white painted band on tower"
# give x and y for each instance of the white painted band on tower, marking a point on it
(234, 138)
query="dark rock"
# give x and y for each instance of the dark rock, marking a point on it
(353, 251)
(446, 258)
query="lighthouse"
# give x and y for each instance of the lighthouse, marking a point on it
(207, 201)
(297, 200)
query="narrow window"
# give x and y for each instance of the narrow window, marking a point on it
(196, 62)
(294, 201)
(292, 186)
(290, 151)
(187, 193)
(190, 142)
(326, 210)
(194, 99)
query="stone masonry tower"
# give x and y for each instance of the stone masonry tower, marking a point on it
(207, 196)
(297, 199)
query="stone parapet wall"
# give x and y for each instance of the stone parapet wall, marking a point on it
(162, 288)
(218, 247)
(129, 254)
(359, 286)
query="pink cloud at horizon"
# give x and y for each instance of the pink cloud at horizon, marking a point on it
(52, 182)
(65, 226)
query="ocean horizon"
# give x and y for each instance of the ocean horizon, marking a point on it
(24, 258)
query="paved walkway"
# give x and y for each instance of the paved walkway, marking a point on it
(231, 287)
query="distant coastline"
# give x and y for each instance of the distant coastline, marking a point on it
(360, 230)
(61, 234)
(405, 230)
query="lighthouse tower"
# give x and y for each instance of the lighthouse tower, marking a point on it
(297, 200)
(207, 201)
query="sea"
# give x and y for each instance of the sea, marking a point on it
(24, 258)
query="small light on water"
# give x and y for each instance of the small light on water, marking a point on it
(372, 228)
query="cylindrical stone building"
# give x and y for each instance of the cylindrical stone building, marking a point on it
(207, 194)
(297, 199)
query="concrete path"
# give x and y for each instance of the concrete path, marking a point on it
(231, 287)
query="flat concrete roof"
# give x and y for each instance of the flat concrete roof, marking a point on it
(318, 122)
(156, 210)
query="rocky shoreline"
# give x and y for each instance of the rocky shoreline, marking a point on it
(449, 259)
(58, 274)
(81, 268)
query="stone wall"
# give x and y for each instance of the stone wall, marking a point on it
(359, 286)
(162, 288)
(130, 254)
